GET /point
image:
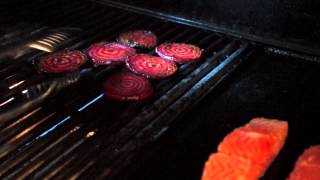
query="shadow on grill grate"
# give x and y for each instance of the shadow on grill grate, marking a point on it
(79, 132)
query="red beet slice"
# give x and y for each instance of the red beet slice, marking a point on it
(179, 52)
(63, 61)
(151, 66)
(106, 53)
(139, 38)
(127, 86)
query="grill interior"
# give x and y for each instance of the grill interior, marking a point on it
(78, 132)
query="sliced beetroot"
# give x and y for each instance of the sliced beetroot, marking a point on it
(106, 53)
(139, 38)
(63, 61)
(151, 66)
(127, 86)
(179, 52)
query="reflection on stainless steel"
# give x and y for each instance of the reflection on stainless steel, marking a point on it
(16, 84)
(59, 36)
(60, 168)
(76, 175)
(74, 129)
(30, 128)
(25, 174)
(90, 134)
(53, 127)
(24, 91)
(40, 47)
(22, 119)
(91, 102)
(14, 141)
(49, 43)
(7, 101)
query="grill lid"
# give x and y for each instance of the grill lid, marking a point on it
(290, 24)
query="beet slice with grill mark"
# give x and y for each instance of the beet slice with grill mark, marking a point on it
(151, 66)
(139, 38)
(105, 53)
(179, 52)
(127, 86)
(63, 61)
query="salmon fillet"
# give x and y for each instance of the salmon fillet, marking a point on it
(247, 151)
(249, 144)
(277, 129)
(221, 166)
(307, 166)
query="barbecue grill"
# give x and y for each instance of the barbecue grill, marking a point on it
(259, 60)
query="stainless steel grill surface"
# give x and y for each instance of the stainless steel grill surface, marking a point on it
(77, 132)
(63, 127)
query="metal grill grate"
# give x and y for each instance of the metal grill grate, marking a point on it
(79, 133)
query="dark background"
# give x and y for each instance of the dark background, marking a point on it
(293, 24)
